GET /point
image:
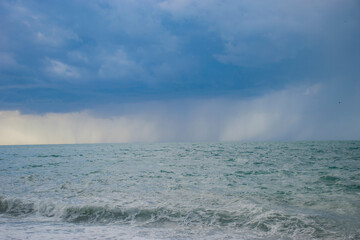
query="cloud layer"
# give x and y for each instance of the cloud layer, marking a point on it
(65, 128)
(73, 52)
(178, 70)
(291, 114)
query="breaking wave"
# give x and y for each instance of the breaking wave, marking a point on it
(267, 222)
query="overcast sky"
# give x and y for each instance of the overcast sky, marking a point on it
(179, 70)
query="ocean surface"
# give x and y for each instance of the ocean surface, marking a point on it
(262, 190)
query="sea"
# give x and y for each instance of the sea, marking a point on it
(224, 190)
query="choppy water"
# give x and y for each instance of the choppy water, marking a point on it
(296, 190)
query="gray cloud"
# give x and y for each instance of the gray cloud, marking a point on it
(7, 60)
(118, 65)
(255, 33)
(80, 127)
(296, 113)
(60, 69)
(188, 70)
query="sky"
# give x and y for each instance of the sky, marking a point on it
(179, 70)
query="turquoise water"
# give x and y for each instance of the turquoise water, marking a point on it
(272, 190)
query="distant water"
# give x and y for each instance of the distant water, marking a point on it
(285, 190)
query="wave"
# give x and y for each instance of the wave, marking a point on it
(106, 214)
(50, 156)
(260, 220)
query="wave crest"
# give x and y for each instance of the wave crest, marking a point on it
(267, 222)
